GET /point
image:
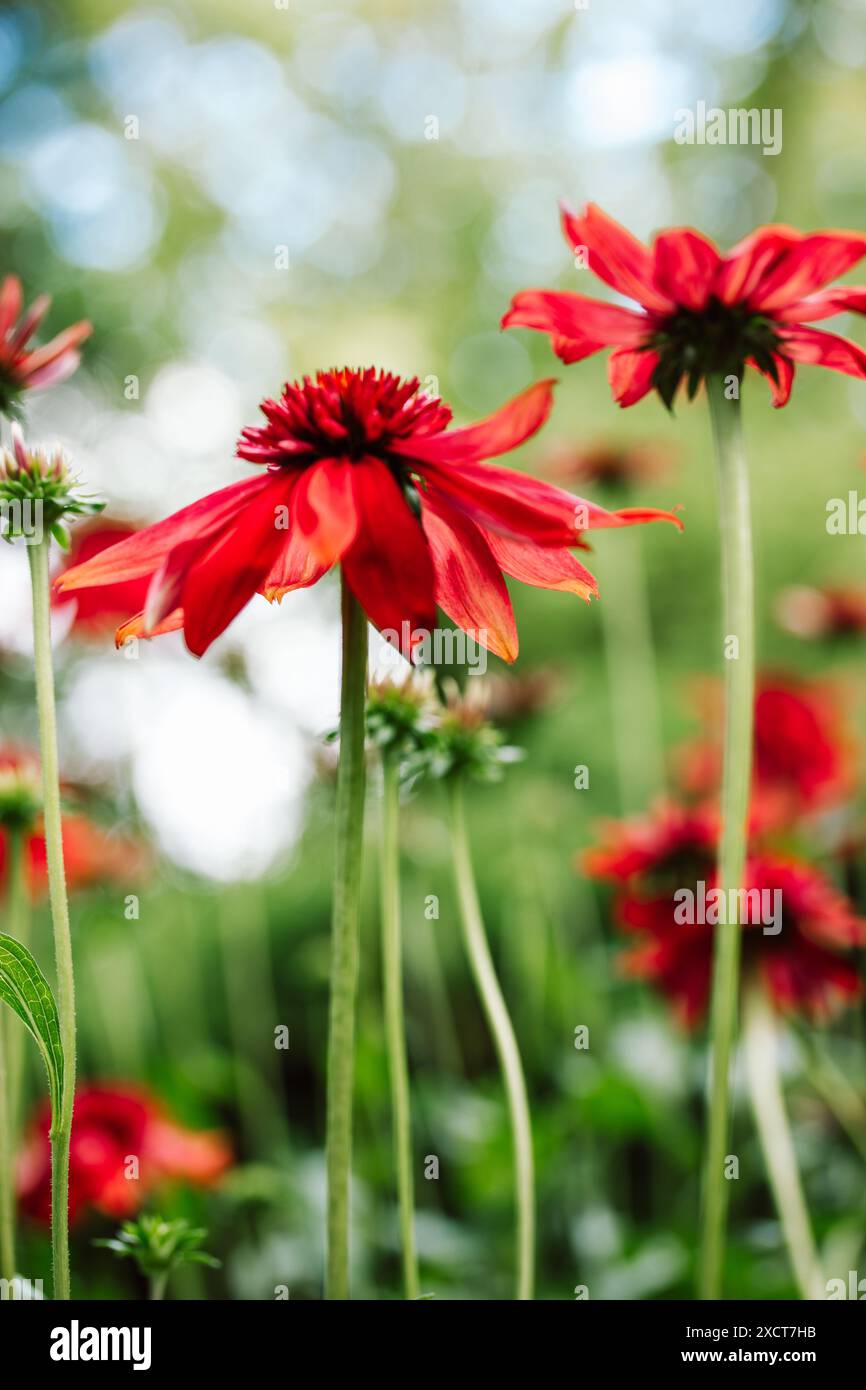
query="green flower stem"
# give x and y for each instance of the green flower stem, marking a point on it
(761, 1043)
(157, 1285)
(496, 1011)
(738, 612)
(632, 675)
(395, 1031)
(61, 1128)
(349, 824)
(11, 1061)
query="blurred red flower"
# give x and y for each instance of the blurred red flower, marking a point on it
(615, 466)
(652, 859)
(91, 855)
(23, 368)
(361, 469)
(98, 611)
(822, 612)
(123, 1147)
(805, 756)
(701, 312)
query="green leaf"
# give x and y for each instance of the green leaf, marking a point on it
(27, 992)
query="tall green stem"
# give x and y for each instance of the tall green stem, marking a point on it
(395, 1031)
(498, 1018)
(739, 651)
(632, 675)
(349, 825)
(61, 1128)
(11, 1059)
(761, 1043)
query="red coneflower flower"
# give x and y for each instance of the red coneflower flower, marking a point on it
(797, 961)
(98, 611)
(822, 612)
(805, 756)
(360, 469)
(701, 312)
(27, 369)
(91, 855)
(112, 1125)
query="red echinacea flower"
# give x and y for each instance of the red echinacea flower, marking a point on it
(24, 368)
(98, 611)
(795, 923)
(701, 312)
(91, 855)
(359, 467)
(805, 756)
(124, 1146)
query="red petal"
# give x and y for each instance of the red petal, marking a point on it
(630, 373)
(742, 269)
(823, 305)
(143, 553)
(134, 627)
(614, 255)
(569, 315)
(389, 568)
(821, 349)
(686, 264)
(165, 591)
(10, 305)
(806, 266)
(781, 390)
(324, 509)
(469, 584)
(548, 568)
(60, 369)
(227, 575)
(71, 337)
(505, 429)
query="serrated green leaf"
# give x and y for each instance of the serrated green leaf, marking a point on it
(27, 992)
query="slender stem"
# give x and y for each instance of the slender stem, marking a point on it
(61, 1128)
(761, 1043)
(843, 1099)
(395, 1031)
(498, 1018)
(157, 1286)
(349, 825)
(11, 1060)
(738, 606)
(632, 675)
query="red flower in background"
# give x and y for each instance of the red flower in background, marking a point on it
(823, 612)
(23, 368)
(110, 1126)
(805, 756)
(98, 611)
(360, 468)
(606, 464)
(701, 312)
(91, 855)
(652, 858)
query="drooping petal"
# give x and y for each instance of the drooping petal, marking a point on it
(294, 568)
(547, 568)
(225, 577)
(821, 349)
(469, 584)
(134, 627)
(505, 429)
(685, 267)
(840, 299)
(569, 315)
(60, 369)
(781, 387)
(614, 255)
(526, 508)
(324, 509)
(71, 337)
(144, 552)
(389, 568)
(742, 269)
(807, 265)
(165, 591)
(630, 373)
(11, 299)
